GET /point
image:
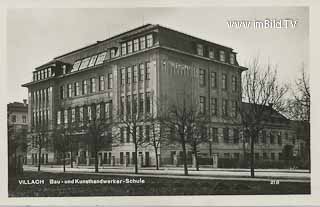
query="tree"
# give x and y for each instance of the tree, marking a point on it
(263, 94)
(132, 122)
(41, 140)
(298, 108)
(98, 128)
(179, 119)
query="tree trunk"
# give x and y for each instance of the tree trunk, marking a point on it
(252, 157)
(136, 154)
(185, 164)
(196, 157)
(71, 157)
(39, 160)
(157, 159)
(96, 163)
(64, 162)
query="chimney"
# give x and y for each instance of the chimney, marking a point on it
(24, 102)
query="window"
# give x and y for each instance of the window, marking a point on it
(122, 105)
(69, 92)
(135, 45)
(141, 102)
(45, 73)
(256, 156)
(224, 81)
(62, 96)
(84, 87)
(92, 85)
(200, 49)
(135, 74)
(202, 77)
(232, 58)
(128, 134)
(202, 104)
(49, 71)
(214, 134)
(147, 133)
(121, 135)
(109, 80)
(81, 114)
(213, 80)
(142, 43)
(226, 155)
(280, 156)
(140, 132)
(73, 115)
(101, 58)
(271, 138)
(13, 118)
(148, 102)
(279, 139)
(107, 110)
(122, 76)
(89, 113)
(76, 89)
(211, 53)
(128, 75)
(148, 71)
(98, 111)
(225, 107)
(101, 83)
(76, 66)
(113, 53)
(265, 156)
(141, 72)
(59, 117)
(65, 116)
(264, 137)
(234, 105)
(222, 56)
(214, 107)
(84, 63)
(234, 83)
(236, 136)
(149, 40)
(121, 158)
(128, 105)
(129, 47)
(134, 103)
(123, 48)
(226, 135)
(41, 74)
(272, 156)
(24, 119)
(92, 60)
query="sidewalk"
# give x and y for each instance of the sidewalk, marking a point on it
(204, 173)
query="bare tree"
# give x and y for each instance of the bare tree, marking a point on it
(98, 129)
(198, 133)
(61, 142)
(298, 108)
(263, 94)
(179, 119)
(41, 140)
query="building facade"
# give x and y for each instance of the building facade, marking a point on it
(127, 73)
(17, 119)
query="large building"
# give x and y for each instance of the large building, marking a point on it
(17, 119)
(130, 70)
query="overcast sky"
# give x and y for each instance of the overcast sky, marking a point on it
(35, 36)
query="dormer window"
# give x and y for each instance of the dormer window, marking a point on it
(113, 53)
(49, 72)
(64, 69)
(84, 63)
(222, 56)
(100, 58)
(123, 48)
(211, 53)
(149, 40)
(232, 59)
(92, 60)
(76, 66)
(200, 49)
(129, 47)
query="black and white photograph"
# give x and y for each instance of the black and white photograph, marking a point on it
(158, 101)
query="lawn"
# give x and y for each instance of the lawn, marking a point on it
(151, 186)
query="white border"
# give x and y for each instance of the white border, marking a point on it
(234, 200)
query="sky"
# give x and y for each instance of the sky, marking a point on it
(36, 36)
